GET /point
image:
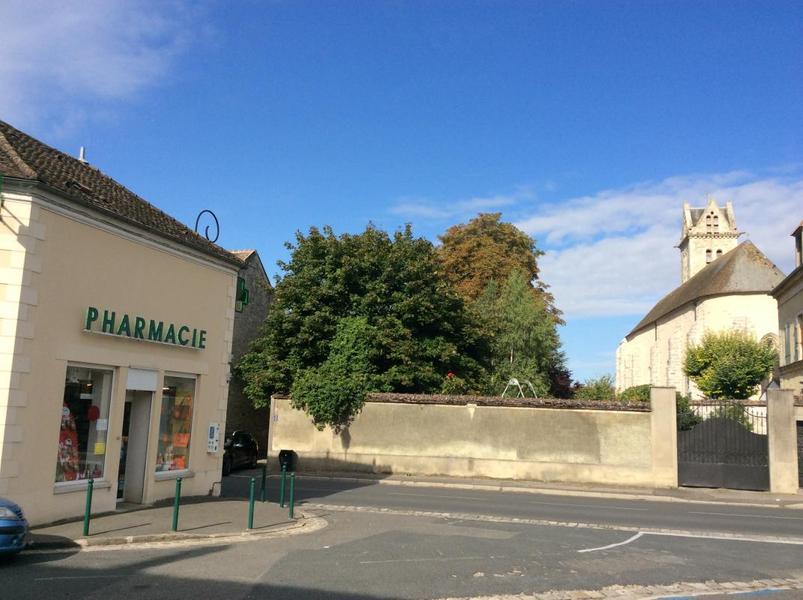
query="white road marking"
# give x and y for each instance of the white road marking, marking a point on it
(453, 496)
(66, 577)
(691, 512)
(627, 541)
(450, 497)
(429, 559)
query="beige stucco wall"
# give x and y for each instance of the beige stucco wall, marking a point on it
(655, 355)
(572, 445)
(54, 265)
(790, 311)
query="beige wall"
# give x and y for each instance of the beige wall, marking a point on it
(790, 312)
(571, 445)
(655, 355)
(54, 265)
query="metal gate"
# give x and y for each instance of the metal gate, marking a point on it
(724, 444)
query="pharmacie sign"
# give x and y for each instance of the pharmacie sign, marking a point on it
(109, 322)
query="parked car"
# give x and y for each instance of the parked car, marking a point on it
(13, 528)
(239, 450)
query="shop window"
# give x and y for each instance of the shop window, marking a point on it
(175, 423)
(84, 424)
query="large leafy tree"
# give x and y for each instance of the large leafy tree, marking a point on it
(385, 290)
(525, 341)
(486, 249)
(729, 364)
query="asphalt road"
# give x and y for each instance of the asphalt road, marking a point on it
(368, 554)
(710, 518)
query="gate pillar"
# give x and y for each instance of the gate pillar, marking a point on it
(782, 436)
(664, 437)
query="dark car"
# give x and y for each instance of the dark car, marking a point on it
(13, 528)
(239, 450)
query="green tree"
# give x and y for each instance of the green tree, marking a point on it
(525, 341)
(729, 364)
(486, 249)
(600, 388)
(418, 328)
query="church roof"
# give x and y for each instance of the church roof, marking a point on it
(743, 270)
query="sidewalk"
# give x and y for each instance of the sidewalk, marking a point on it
(706, 495)
(200, 519)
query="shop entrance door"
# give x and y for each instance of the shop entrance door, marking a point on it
(134, 446)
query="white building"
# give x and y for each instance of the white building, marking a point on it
(724, 285)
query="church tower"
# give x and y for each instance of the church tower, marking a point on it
(707, 234)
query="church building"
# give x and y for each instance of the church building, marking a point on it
(724, 285)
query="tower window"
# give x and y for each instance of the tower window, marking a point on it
(708, 221)
(716, 222)
(719, 253)
(707, 256)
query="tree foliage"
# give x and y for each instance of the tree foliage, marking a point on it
(600, 388)
(413, 327)
(730, 364)
(635, 394)
(486, 249)
(525, 342)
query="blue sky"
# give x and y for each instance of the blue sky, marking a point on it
(585, 123)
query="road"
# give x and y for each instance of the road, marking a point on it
(653, 514)
(382, 544)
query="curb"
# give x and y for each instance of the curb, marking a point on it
(303, 524)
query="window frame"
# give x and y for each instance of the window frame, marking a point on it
(104, 481)
(173, 473)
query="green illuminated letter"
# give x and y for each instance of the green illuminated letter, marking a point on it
(170, 336)
(183, 329)
(91, 316)
(139, 327)
(154, 331)
(108, 323)
(202, 339)
(125, 326)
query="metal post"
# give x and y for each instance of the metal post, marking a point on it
(88, 508)
(264, 489)
(251, 495)
(176, 503)
(281, 486)
(292, 493)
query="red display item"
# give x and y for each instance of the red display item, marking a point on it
(93, 414)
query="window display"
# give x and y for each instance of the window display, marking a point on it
(84, 424)
(175, 424)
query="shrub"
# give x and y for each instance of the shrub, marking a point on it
(686, 417)
(601, 388)
(729, 364)
(636, 394)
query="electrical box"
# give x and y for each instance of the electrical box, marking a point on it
(213, 442)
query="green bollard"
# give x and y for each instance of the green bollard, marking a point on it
(251, 494)
(176, 503)
(264, 491)
(88, 508)
(281, 486)
(292, 493)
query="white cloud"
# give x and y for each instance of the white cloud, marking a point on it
(430, 209)
(612, 253)
(62, 60)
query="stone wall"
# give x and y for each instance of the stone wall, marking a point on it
(548, 441)
(241, 414)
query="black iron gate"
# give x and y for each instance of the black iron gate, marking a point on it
(724, 444)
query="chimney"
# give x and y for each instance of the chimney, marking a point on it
(82, 155)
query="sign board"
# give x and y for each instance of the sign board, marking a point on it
(213, 439)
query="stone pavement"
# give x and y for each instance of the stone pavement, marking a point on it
(199, 518)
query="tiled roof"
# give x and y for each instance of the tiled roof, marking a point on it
(743, 270)
(243, 255)
(24, 157)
